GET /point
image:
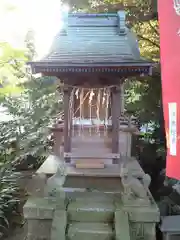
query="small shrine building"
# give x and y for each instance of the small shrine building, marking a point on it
(97, 190)
(92, 56)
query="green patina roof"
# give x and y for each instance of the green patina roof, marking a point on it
(94, 40)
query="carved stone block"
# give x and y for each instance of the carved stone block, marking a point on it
(60, 202)
(127, 201)
(141, 221)
(150, 231)
(39, 214)
(122, 225)
(142, 231)
(137, 231)
(59, 223)
(39, 229)
(37, 184)
(39, 208)
(142, 213)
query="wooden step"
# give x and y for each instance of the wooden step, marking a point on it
(89, 164)
(90, 231)
(91, 211)
(92, 155)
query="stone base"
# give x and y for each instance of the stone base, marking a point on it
(89, 218)
(45, 220)
(90, 231)
(101, 213)
(135, 202)
(59, 224)
(39, 229)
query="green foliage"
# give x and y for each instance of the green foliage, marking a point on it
(33, 105)
(33, 108)
(10, 196)
(12, 65)
(33, 111)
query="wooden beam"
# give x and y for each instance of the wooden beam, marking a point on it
(116, 112)
(122, 98)
(67, 122)
(92, 155)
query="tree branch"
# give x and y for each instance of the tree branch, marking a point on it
(149, 40)
(154, 29)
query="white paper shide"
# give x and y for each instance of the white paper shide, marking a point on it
(172, 128)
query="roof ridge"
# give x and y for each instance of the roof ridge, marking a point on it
(92, 15)
(97, 20)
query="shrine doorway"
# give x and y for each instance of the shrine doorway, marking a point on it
(91, 123)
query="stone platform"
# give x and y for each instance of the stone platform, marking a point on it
(107, 178)
(89, 218)
(49, 167)
(77, 212)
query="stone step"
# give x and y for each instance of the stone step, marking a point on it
(88, 210)
(90, 231)
(82, 194)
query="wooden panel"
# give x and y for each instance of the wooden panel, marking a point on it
(90, 142)
(101, 145)
(89, 165)
(94, 143)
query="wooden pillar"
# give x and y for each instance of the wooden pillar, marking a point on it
(116, 112)
(122, 98)
(67, 123)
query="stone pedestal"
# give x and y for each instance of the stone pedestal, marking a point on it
(46, 214)
(39, 213)
(137, 220)
(73, 213)
(142, 222)
(46, 219)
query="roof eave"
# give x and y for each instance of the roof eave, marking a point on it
(118, 68)
(132, 63)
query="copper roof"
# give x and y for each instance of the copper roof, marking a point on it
(92, 41)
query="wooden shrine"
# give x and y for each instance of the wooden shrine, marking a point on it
(96, 189)
(92, 56)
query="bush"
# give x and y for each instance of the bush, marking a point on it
(11, 198)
